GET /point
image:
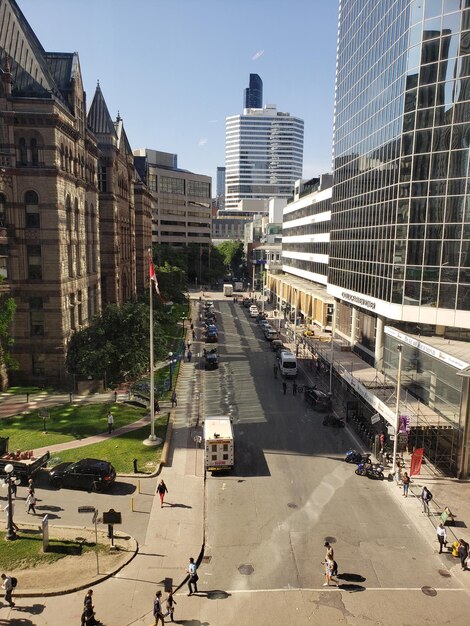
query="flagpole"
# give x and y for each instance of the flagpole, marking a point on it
(152, 440)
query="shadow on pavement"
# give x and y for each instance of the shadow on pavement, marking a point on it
(351, 588)
(351, 578)
(177, 505)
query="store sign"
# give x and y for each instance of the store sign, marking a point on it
(369, 397)
(427, 349)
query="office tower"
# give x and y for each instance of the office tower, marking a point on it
(253, 95)
(263, 155)
(400, 238)
(220, 181)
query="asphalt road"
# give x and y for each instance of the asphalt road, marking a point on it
(267, 521)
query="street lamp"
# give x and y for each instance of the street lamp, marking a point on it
(10, 480)
(170, 357)
(184, 318)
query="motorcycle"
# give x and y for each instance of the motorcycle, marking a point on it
(332, 420)
(374, 471)
(353, 456)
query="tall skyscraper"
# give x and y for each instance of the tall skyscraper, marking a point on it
(400, 239)
(263, 155)
(220, 181)
(253, 95)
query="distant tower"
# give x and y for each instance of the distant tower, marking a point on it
(253, 95)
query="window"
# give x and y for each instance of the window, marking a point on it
(3, 202)
(34, 262)
(79, 308)
(38, 364)
(36, 313)
(22, 152)
(34, 152)
(4, 260)
(32, 209)
(171, 185)
(199, 188)
(72, 311)
(102, 179)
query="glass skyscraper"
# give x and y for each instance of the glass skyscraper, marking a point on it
(253, 95)
(400, 213)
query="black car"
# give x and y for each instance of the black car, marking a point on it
(318, 399)
(89, 474)
(211, 362)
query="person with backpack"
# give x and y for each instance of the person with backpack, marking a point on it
(426, 497)
(9, 583)
(157, 608)
(463, 553)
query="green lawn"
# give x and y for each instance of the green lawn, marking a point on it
(18, 391)
(66, 422)
(121, 451)
(27, 552)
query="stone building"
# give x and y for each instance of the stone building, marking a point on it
(68, 224)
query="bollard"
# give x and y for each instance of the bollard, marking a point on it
(138, 487)
(132, 505)
(70, 397)
(27, 398)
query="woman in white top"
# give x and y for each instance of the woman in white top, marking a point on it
(441, 536)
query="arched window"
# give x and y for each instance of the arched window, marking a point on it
(31, 201)
(3, 203)
(23, 152)
(34, 152)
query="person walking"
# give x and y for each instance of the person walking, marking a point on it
(406, 484)
(330, 554)
(284, 387)
(110, 422)
(193, 577)
(31, 502)
(189, 355)
(31, 485)
(87, 612)
(194, 335)
(426, 497)
(161, 490)
(156, 406)
(170, 606)
(294, 389)
(7, 585)
(275, 370)
(463, 553)
(441, 536)
(174, 400)
(328, 563)
(157, 608)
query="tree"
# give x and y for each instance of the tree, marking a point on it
(115, 346)
(172, 282)
(233, 256)
(7, 313)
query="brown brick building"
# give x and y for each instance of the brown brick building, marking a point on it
(67, 214)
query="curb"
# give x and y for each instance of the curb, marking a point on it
(62, 592)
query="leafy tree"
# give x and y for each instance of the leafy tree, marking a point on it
(116, 344)
(7, 313)
(233, 255)
(172, 282)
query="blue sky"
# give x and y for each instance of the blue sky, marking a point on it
(174, 69)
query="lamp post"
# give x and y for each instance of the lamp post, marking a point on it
(170, 356)
(184, 318)
(9, 481)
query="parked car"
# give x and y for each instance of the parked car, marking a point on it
(276, 344)
(318, 399)
(246, 302)
(211, 334)
(211, 360)
(89, 474)
(254, 312)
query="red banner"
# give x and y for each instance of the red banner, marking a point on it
(416, 460)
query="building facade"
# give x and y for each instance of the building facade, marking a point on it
(253, 95)
(181, 199)
(263, 155)
(400, 226)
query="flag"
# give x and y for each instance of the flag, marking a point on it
(153, 276)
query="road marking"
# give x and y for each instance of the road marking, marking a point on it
(332, 587)
(223, 486)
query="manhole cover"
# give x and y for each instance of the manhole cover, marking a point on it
(330, 539)
(429, 591)
(206, 559)
(292, 505)
(246, 570)
(445, 573)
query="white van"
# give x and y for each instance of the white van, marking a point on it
(288, 364)
(218, 443)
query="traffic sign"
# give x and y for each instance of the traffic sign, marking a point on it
(86, 509)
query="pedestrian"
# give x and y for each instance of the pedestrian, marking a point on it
(174, 400)
(406, 484)
(194, 335)
(193, 577)
(87, 612)
(6, 508)
(398, 475)
(382, 441)
(294, 389)
(157, 608)
(441, 536)
(31, 502)
(110, 422)
(426, 497)
(161, 490)
(170, 608)
(330, 554)
(190, 354)
(7, 585)
(463, 553)
(189, 346)
(275, 370)
(31, 485)
(156, 406)
(328, 563)
(14, 488)
(192, 326)
(284, 387)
